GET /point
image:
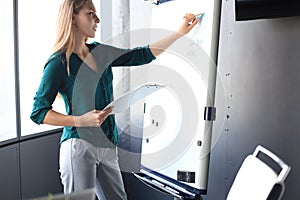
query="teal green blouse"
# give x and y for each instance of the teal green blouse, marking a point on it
(84, 90)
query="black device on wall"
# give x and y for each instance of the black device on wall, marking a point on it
(259, 9)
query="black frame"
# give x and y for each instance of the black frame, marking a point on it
(265, 9)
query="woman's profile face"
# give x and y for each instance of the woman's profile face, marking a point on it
(86, 20)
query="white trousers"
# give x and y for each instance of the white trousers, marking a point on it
(84, 166)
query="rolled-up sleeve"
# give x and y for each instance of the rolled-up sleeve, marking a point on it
(50, 84)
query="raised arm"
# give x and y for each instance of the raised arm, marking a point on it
(189, 21)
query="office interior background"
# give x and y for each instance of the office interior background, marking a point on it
(258, 68)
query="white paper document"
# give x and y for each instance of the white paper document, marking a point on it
(133, 96)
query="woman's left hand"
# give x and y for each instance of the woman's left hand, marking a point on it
(189, 21)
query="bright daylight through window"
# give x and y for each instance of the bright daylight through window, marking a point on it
(7, 80)
(37, 31)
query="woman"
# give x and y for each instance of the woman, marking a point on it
(86, 162)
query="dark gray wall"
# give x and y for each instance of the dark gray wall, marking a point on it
(260, 69)
(29, 168)
(9, 173)
(39, 166)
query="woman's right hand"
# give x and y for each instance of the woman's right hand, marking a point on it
(93, 118)
(189, 21)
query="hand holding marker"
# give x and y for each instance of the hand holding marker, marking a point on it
(200, 16)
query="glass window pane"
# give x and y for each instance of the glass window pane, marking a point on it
(7, 76)
(37, 31)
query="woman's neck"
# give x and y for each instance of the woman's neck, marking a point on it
(80, 47)
(82, 51)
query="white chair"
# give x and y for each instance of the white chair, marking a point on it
(255, 179)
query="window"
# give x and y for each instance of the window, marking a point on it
(37, 31)
(7, 81)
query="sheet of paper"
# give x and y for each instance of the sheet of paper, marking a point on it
(133, 96)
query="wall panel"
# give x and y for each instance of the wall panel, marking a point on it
(9, 173)
(259, 67)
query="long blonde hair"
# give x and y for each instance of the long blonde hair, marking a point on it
(65, 38)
